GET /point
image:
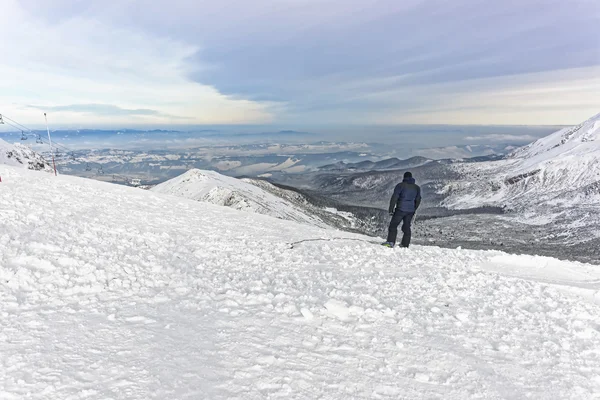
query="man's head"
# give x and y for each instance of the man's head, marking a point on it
(407, 175)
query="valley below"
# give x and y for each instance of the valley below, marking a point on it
(482, 228)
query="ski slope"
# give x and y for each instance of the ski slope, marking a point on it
(111, 292)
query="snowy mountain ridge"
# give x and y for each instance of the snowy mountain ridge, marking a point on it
(562, 169)
(250, 195)
(562, 141)
(19, 155)
(116, 292)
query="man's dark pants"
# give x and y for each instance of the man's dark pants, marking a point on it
(406, 219)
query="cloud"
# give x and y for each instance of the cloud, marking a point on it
(87, 62)
(104, 110)
(543, 98)
(337, 65)
(293, 61)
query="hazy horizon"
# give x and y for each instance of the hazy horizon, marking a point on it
(402, 140)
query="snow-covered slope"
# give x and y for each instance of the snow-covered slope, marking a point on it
(19, 155)
(114, 292)
(577, 139)
(249, 195)
(558, 175)
(565, 161)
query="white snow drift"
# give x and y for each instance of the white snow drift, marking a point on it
(110, 292)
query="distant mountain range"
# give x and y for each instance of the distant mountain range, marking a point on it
(200, 132)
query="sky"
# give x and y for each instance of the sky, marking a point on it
(299, 63)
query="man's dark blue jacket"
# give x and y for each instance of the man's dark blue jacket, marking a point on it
(406, 197)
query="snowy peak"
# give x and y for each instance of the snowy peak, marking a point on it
(554, 177)
(212, 187)
(564, 140)
(255, 196)
(18, 155)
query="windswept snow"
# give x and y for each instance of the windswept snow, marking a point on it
(110, 292)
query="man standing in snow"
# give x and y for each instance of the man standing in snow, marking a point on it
(403, 205)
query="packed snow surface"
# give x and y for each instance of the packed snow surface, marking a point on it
(111, 292)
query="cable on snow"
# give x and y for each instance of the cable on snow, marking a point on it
(293, 244)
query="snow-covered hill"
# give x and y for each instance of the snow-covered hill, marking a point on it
(251, 195)
(113, 292)
(19, 155)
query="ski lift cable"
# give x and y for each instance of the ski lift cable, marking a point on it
(69, 154)
(15, 122)
(28, 133)
(38, 136)
(23, 133)
(22, 128)
(18, 128)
